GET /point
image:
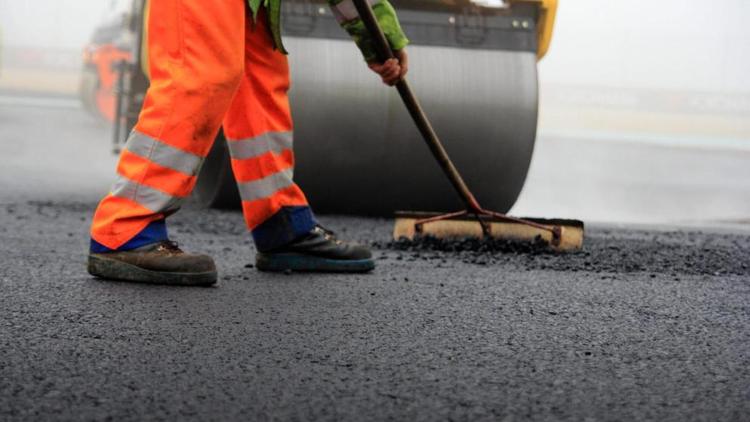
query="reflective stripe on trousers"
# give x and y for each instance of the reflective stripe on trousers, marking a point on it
(254, 147)
(163, 161)
(265, 152)
(264, 168)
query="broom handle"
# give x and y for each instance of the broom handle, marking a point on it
(415, 109)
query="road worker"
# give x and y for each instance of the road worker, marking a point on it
(213, 64)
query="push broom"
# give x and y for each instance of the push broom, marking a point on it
(474, 221)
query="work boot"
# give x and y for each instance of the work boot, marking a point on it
(158, 263)
(319, 250)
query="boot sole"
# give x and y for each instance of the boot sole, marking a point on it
(306, 263)
(112, 269)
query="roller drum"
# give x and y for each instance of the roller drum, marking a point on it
(359, 152)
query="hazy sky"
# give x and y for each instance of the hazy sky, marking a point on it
(691, 45)
(57, 23)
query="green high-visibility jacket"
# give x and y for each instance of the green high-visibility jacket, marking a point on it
(345, 13)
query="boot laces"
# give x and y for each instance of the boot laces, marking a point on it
(328, 233)
(169, 246)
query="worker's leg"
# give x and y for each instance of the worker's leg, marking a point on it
(259, 132)
(196, 60)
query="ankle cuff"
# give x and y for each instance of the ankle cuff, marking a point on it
(287, 225)
(155, 232)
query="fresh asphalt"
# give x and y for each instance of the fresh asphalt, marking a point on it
(645, 324)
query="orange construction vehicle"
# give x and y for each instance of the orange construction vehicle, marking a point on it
(108, 47)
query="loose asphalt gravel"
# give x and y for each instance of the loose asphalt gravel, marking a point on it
(641, 325)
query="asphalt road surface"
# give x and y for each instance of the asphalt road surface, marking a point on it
(645, 324)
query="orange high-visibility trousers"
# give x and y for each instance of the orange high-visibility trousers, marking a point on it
(209, 65)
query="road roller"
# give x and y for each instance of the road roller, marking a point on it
(473, 65)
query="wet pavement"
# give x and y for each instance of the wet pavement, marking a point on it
(647, 323)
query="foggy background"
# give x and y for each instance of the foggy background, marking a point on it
(681, 64)
(679, 45)
(667, 77)
(54, 24)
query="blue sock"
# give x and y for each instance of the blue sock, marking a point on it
(155, 232)
(287, 225)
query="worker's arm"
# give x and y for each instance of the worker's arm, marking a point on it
(346, 14)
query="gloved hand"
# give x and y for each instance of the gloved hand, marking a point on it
(393, 70)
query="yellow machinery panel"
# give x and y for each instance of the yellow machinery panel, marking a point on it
(545, 24)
